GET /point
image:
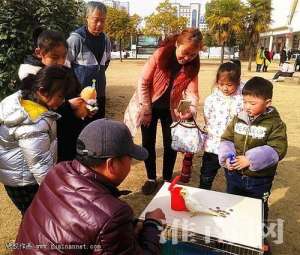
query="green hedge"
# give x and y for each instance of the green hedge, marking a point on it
(18, 19)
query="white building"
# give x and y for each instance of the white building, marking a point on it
(117, 4)
(193, 13)
(125, 6)
(285, 28)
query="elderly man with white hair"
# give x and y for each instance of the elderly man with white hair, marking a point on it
(89, 52)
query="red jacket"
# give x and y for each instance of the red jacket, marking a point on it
(76, 212)
(152, 85)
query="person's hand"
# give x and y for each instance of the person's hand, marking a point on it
(138, 228)
(177, 114)
(78, 105)
(183, 116)
(91, 114)
(241, 162)
(229, 166)
(146, 119)
(157, 214)
(186, 116)
(76, 102)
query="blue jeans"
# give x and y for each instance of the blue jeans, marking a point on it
(209, 169)
(254, 187)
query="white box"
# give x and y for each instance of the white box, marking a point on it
(243, 226)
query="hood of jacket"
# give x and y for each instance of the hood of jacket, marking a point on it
(217, 92)
(15, 111)
(31, 66)
(270, 113)
(80, 32)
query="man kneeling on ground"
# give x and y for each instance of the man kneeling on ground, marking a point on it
(287, 70)
(77, 210)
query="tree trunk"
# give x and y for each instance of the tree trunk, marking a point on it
(250, 57)
(222, 52)
(120, 48)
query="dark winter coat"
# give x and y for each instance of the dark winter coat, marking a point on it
(76, 212)
(68, 126)
(263, 141)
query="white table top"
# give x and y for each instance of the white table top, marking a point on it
(242, 226)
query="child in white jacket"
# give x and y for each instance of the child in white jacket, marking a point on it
(219, 108)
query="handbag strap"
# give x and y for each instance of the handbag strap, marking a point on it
(181, 123)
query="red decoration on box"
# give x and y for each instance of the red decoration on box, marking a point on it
(177, 201)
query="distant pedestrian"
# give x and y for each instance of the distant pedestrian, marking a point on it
(283, 56)
(286, 70)
(289, 54)
(297, 63)
(267, 60)
(260, 56)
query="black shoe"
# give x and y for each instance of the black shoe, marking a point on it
(149, 187)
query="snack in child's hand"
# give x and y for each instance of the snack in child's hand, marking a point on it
(89, 94)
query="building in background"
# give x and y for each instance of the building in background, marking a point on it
(194, 12)
(117, 4)
(284, 31)
(124, 6)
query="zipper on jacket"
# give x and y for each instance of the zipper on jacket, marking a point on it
(245, 143)
(246, 140)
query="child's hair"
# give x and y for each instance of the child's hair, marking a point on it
(52, 79)
(233, 70)
(35, 35)
(48, 40)
(258, 87)
(237, 62)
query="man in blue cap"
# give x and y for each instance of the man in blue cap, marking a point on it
(77, 210)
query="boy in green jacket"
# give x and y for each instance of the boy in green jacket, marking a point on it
(253, 143)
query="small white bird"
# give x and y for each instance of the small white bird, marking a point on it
(194, 207)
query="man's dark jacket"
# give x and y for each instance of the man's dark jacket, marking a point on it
(76, 212)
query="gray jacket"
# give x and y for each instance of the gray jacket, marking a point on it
(27, 147)
(84, 63)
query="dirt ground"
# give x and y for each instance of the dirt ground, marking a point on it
(284, 201)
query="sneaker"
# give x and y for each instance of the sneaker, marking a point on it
(149, 187)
